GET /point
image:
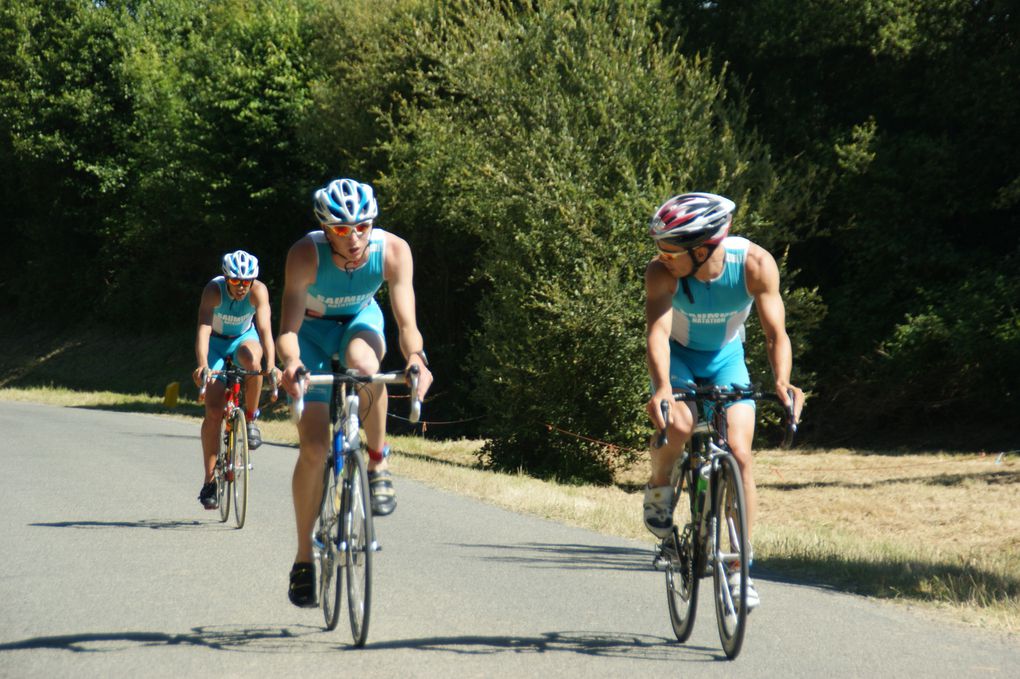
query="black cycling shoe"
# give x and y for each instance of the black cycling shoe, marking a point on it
(302, 585)
(207, 496)
(254, 436)
(384, 497)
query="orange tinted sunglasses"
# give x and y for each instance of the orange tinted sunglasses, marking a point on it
(344, 230)
(670, 256)
(240, 281)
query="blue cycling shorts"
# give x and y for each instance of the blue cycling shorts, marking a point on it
(221, 347)
(319, 339)
(725, 367)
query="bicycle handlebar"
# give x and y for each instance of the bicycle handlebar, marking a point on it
(307, 379)
(209, 375)
(695, 393)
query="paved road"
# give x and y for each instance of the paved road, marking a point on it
(111, 568)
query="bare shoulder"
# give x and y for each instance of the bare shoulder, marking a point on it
(259, 293)
(397, 256)
(303, 248)
(397, 244)
(761, 269)
(658, 277)
(211, 293)
(302, 259)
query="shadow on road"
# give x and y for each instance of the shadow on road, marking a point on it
(571, 556)
(144, 523)
(233, 638)
(304, 639)
(602, 644)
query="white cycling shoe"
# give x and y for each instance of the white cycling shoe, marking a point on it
(658, 517)
(753, 600)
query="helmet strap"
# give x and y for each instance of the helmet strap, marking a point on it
(694, 269)
(349, 266)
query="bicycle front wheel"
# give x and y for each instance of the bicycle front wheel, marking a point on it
(359, 539)
(328, 539)
(223, 476)
(682, 570)
(239, 465)
(730, 572)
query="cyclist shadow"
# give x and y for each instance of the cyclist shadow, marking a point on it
(598, 644)
(223, 638)
(568, 556)
(306, 639)
(152, 524)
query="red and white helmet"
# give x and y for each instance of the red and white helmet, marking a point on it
(692, 219)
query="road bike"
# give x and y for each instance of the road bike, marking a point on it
(344, 536)
(233, 460)
(709, 535)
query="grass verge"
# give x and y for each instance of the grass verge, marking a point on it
(938, 529)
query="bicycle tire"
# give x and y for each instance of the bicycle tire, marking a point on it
(239, 464)
(328, 538)
(223, 477)
(359, 538)
(729, 544)
(682, 568)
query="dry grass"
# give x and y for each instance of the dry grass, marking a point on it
(939, 529)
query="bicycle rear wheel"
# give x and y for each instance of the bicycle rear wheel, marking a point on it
(359, 539)
(239, 465)
(328, 539)
(729, 532)
(682, 570)
(223, 475)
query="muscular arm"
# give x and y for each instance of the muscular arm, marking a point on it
(763, 284)
(210, 300)
(263, 322)
(399, 274)
(299, 274)
(660, 286)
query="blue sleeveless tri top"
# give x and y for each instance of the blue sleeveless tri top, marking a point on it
(232, 317)
(339, 293)
(716, 316)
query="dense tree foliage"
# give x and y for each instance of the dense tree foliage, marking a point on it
(902, 111)
(521, 147)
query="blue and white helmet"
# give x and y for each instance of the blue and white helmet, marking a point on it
(240, 264)
(345, 201)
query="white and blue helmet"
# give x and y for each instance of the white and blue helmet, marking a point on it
(239, 264)
(345, 201)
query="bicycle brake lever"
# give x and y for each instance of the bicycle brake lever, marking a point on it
(297, 405)
(415, 414)
(662, 439)
(205, 382)
(791, 422)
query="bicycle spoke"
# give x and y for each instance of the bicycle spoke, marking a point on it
(327, 537)
(682, 575)
(239, 466)
(359, 537)
(729, 531)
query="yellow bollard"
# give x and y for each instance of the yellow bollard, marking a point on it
(170, 396)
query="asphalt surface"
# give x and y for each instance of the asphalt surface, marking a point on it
(111, 568)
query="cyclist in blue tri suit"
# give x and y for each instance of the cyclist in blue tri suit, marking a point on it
(234, 321)
(699, 289)
(329, 308)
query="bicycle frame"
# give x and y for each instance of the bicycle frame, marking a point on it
(344, 537)
(232, 458)
(714, 540)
